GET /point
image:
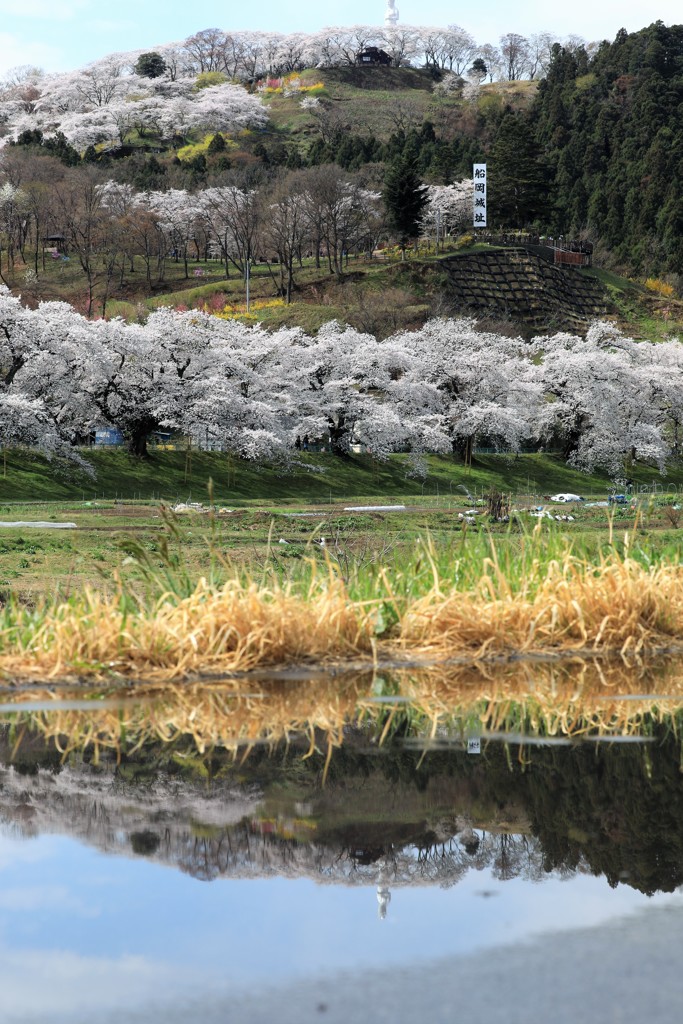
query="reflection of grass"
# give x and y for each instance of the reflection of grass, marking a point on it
(571, 698)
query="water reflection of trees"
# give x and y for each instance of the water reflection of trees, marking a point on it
(382, 819)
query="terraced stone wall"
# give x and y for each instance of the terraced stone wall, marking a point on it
(518, 285)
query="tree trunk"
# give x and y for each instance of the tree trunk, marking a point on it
(136, 437)
(290, 281)
(463, 448)
(339, 435)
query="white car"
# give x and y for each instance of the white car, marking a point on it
(566, 497)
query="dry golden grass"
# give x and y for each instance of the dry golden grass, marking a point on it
(559, 606)
(568, 606)
(233, 628)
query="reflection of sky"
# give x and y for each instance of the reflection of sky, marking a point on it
(77, 925)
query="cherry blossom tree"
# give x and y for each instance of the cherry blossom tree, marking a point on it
(331, 395)
(39, 352)
(102, 102)
(448, 208)
(603, 399)
(483, 386)
(240, 401)
(402, 42)
(176, 212)
(458, 49)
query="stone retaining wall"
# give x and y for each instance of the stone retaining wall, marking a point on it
(518, 285)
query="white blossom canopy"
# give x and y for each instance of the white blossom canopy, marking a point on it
(606, 399)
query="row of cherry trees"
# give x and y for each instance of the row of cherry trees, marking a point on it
(605, 398)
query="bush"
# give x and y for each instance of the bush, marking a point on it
(653, 284)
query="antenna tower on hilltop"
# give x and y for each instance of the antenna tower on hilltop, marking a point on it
(391, 13)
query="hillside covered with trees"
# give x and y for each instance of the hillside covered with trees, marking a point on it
(279, 150)
(609, 130)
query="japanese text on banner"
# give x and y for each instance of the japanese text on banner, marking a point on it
(479, 212)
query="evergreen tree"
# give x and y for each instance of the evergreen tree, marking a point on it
(478, 69)
(404, 197)
(217, 144)
(150, 65)
(517, 181)
(610, 132)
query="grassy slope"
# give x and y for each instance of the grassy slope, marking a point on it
(376, 101)
(173, 475)
(367, 101)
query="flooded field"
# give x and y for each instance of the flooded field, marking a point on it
(357, 846)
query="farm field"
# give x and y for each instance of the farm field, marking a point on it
(274, 516)
(471, 562)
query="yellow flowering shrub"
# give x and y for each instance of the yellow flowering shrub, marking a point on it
(653, 284)
(196, 148)
(289, 84)
(238, 310)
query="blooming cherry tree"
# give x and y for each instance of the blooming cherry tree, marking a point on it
(448, 208)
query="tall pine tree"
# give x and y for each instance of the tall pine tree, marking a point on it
(518, 179)
(404, 197)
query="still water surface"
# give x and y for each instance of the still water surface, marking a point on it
(162, 877)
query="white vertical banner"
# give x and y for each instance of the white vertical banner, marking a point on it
(479, 212)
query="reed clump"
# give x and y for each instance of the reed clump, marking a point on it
(235, 627)
(619, 605)
(484, 601)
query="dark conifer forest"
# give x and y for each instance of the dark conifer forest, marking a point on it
(611, 134)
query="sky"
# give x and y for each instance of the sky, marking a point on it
(79, 928)
(58, 35)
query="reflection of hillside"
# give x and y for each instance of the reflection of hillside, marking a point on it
(219, 830)
(382, 819)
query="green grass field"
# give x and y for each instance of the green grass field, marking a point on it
(124, 504)
(173, 475)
